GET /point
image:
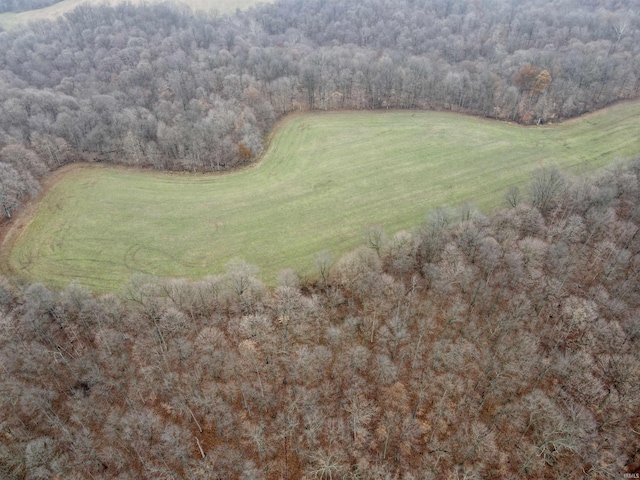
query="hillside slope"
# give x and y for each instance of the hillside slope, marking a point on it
(158, 86)
(323, 180)
(493, 347)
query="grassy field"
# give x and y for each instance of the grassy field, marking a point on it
(10, 20)
(324, 178)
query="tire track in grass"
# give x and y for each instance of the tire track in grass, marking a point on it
(314, 189)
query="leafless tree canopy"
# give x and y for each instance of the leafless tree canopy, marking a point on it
(160, 87)
(471, 347)
(507, 348)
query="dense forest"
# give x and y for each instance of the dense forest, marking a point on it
(473, 347)
(159, 86)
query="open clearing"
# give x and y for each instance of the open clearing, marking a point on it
(324, 178)
(9, 20)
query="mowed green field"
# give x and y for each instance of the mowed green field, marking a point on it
(10, 20)
(324, 178)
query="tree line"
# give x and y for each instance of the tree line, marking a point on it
(158, 86)
(471, 347)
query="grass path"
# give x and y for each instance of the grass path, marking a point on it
(324, 178)
(10, 20)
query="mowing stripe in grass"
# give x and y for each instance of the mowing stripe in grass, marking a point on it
(324, 178)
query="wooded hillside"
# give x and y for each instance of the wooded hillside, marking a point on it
(474, 347)
(157, 86)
